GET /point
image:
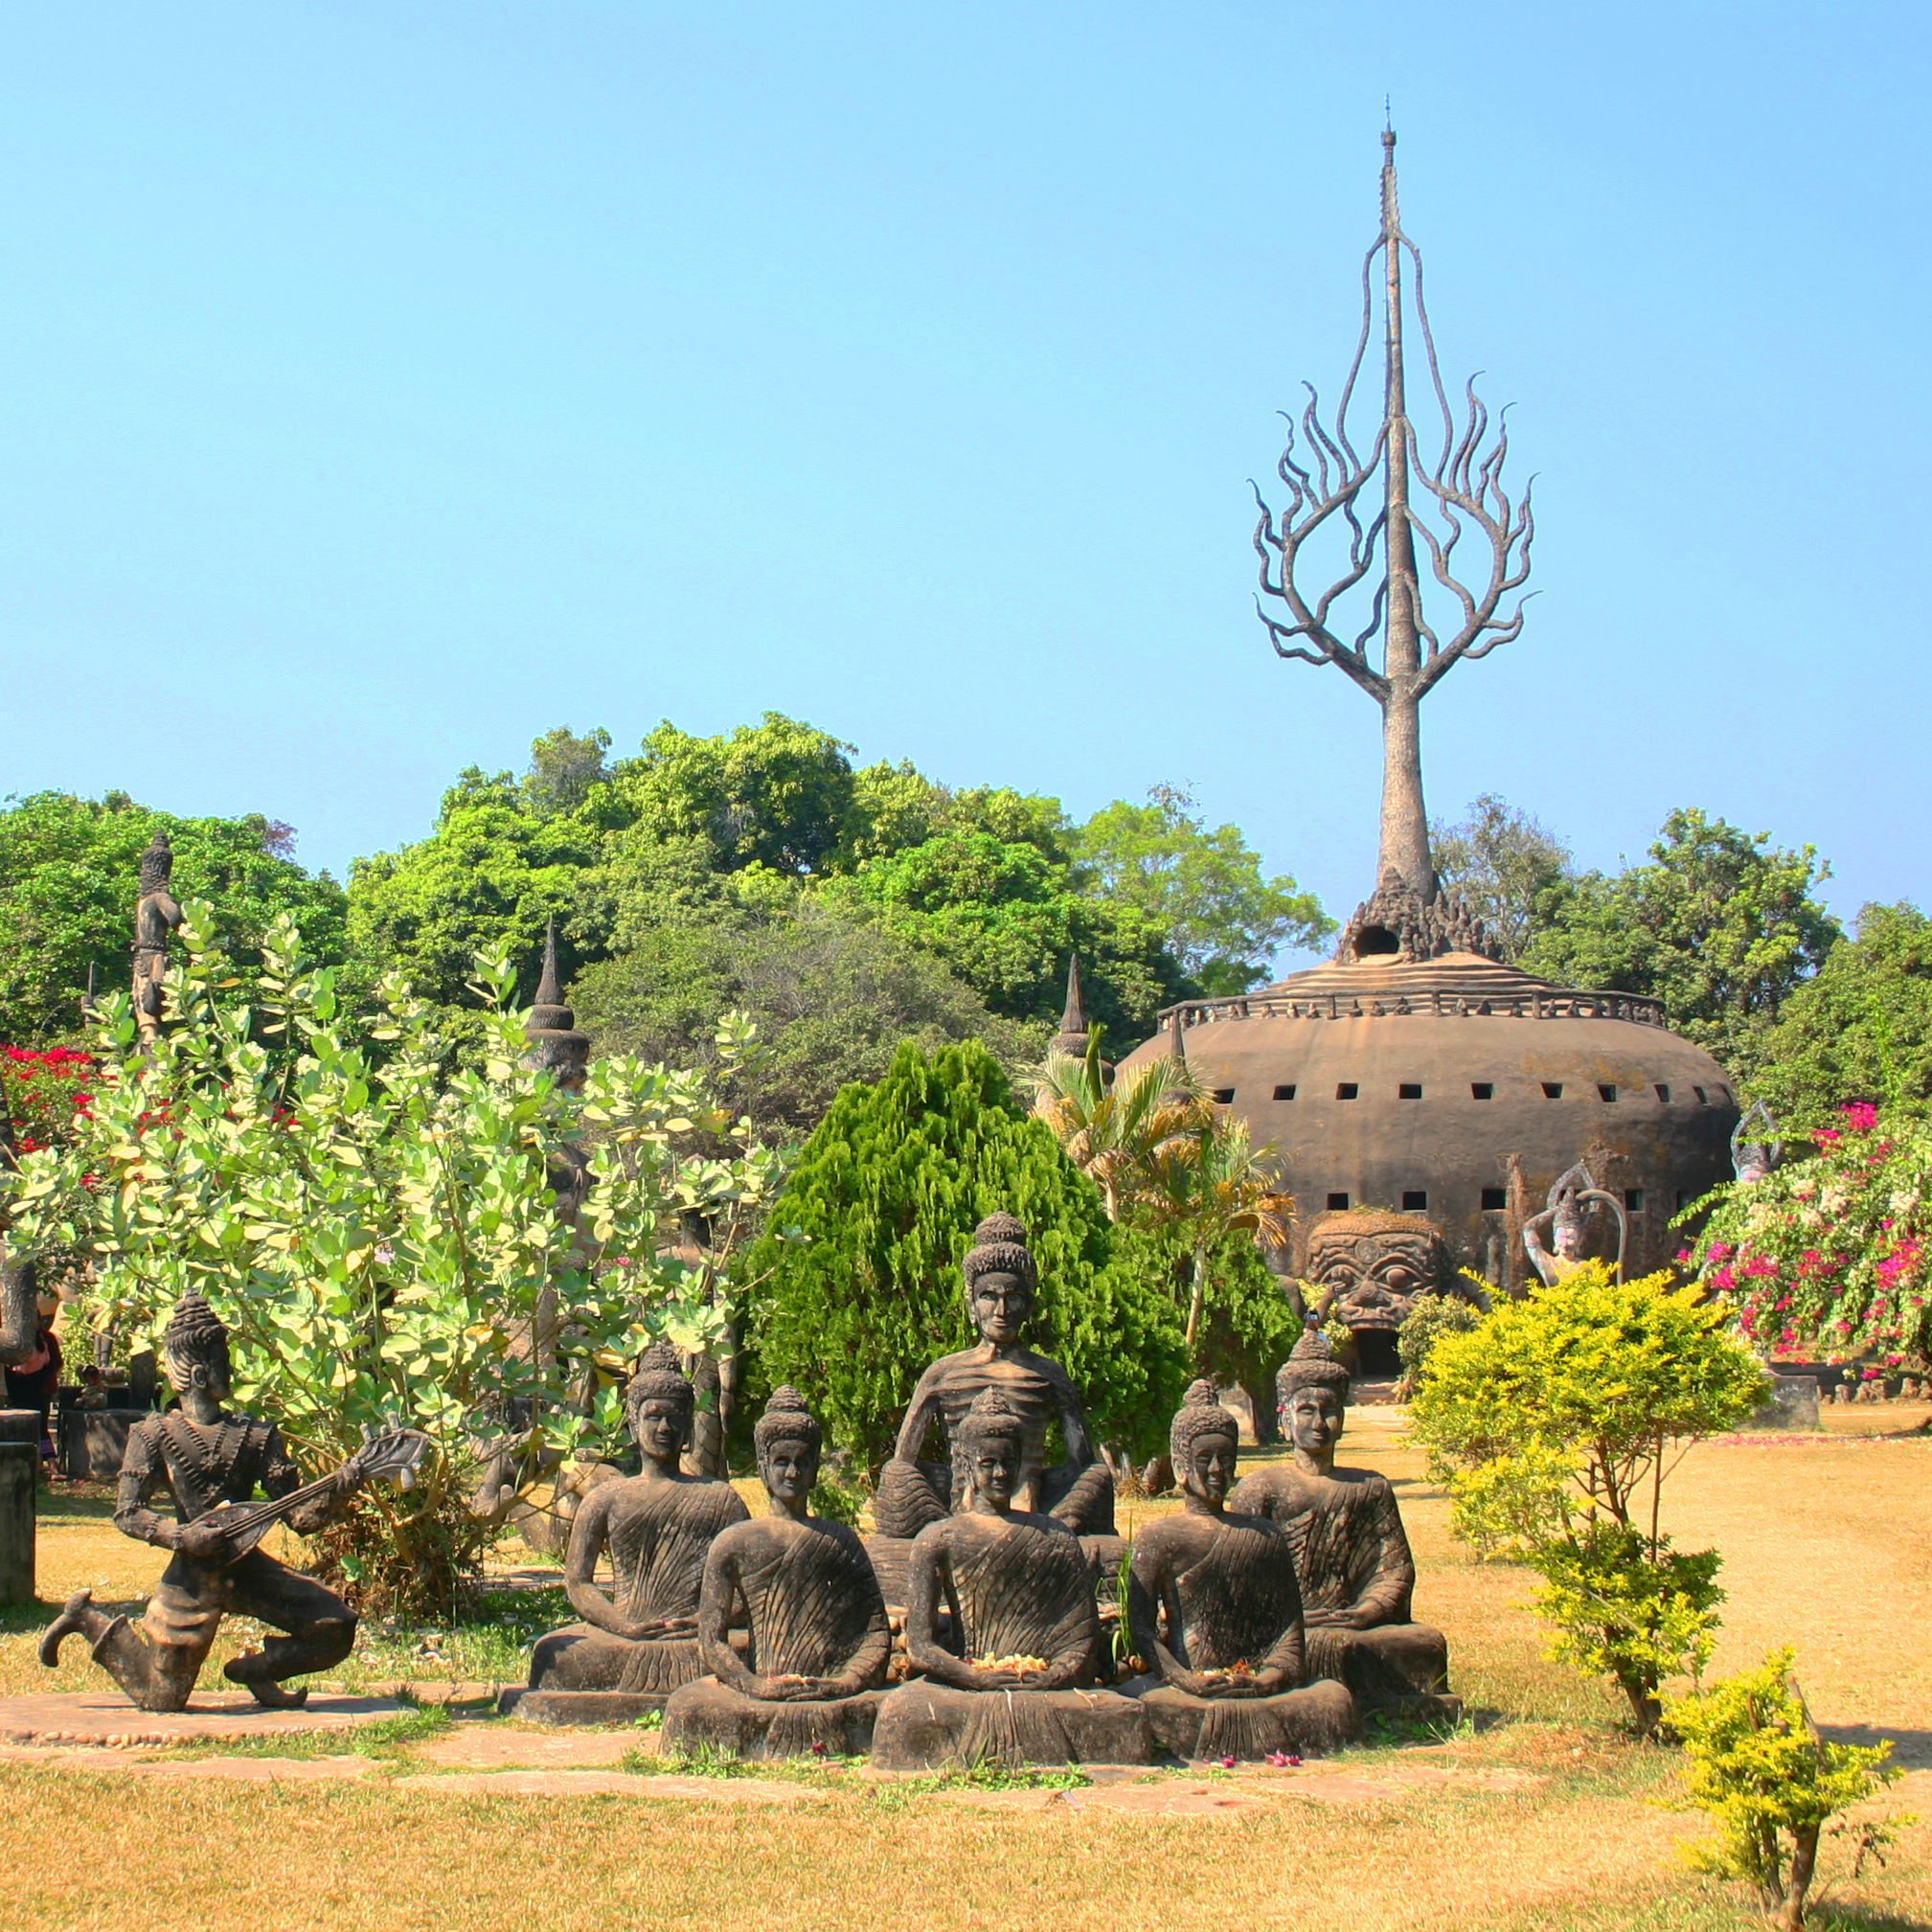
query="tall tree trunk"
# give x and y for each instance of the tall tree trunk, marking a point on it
(1804, 1862)
(1198, 1293)
(19, 1310)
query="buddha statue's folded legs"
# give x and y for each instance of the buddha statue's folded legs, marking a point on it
(800, 1594)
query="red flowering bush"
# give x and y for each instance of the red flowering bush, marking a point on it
(44, 1091)
(1830, 1252)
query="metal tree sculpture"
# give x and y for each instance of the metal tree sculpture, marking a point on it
(1464, 483)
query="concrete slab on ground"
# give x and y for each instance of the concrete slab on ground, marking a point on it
(106, 1719)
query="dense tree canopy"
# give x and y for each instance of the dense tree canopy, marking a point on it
(1505, 864)
(1203, 889)
(69, 868)
(833, 997)
(1721, 925)
(1860, 1031)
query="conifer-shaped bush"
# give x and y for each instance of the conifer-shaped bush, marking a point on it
(856, 1288)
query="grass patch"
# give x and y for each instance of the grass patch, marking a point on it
(384, 1738)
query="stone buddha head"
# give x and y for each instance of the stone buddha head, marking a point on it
(788, 1440)
(658, 1404)
(1203, 1443)
(194, 1350)
(1001, 1280)
(1313, 1389)
(1368, 1267)
(992, 1444)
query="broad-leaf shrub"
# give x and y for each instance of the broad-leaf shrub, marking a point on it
(1550, 1423)
(378, 1230)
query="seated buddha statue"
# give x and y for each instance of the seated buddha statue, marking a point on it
(1216, 1615)
(1001, 1285)
(640, 1642)
(803, 1591)
(1351, 1557)
(1011, 1688)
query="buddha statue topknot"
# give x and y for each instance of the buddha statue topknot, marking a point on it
(1216, 1615)
(637, 1645)
(1351, 1556)
(1015, 1683)
(1001, 1287)
(803, 1591)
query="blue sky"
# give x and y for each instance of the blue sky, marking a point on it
(380, 385)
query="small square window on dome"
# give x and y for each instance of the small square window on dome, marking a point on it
(1606, 1090)
(1482, 1090)
(1285, 1092)
(1347, 1090)
(1414, 1200)
(1553, 1090)
(1338, 1200)
(1409, 1090)
(1494, 1198)
(1662, 1093)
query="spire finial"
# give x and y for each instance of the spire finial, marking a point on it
(1072, 1037)
(548, 992)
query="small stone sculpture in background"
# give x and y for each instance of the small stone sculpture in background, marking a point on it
(1216, 1615)
(639, 1643)
(211, 1461)
(1009, 1689)
(1557, 1238)
(1752, 1160)
(1001, 1282)
(157, 917)
(1351, 1557)
(803, 1591)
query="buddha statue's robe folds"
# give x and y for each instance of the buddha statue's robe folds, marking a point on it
(1216, 1612)
(1001, 1285)
(638, 1643)
(802, 1592)
(1351, 1557)
(816, 1645)
(1017, 1682)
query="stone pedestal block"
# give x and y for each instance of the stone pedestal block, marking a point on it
(1310, 1722)
(707, 1712)
(924, 1726)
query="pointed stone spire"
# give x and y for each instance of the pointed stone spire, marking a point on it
(554, 1043)
(1072, 1037)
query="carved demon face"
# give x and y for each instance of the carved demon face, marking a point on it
(1373, 1266)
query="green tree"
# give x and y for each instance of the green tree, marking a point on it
(1004, 916)
(69, 876)
(833, 997)
(1860, 1031)
(1202, 889)
(565, 769)
(857, 1274)
(1506, 866)
(380, 1235)
(483, 884)
(1758, 1766)
(1721, 925)
(1550, 1423)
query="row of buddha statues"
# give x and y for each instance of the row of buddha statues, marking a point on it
(1266, 1615)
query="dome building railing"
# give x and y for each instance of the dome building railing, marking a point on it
(1554, 1003)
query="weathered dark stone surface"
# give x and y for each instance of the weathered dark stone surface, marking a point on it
(581, 1707)
(1216, 1615)
(657, 1527)
(208, 1461)
(1308, 1722)
(707, 1712)
(816, 1642)
(1001, 1283)
(924, 1726)
(1351, 1556)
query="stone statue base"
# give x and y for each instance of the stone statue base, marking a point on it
(1310, 1722)
(582, 1657)
(581, 1707)
(707, 1712)
(1402, 1668)
(924, 1726)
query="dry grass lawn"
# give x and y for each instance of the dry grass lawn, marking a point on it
(1542, 1819)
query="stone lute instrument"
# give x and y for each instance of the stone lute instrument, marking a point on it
(396, 1454)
